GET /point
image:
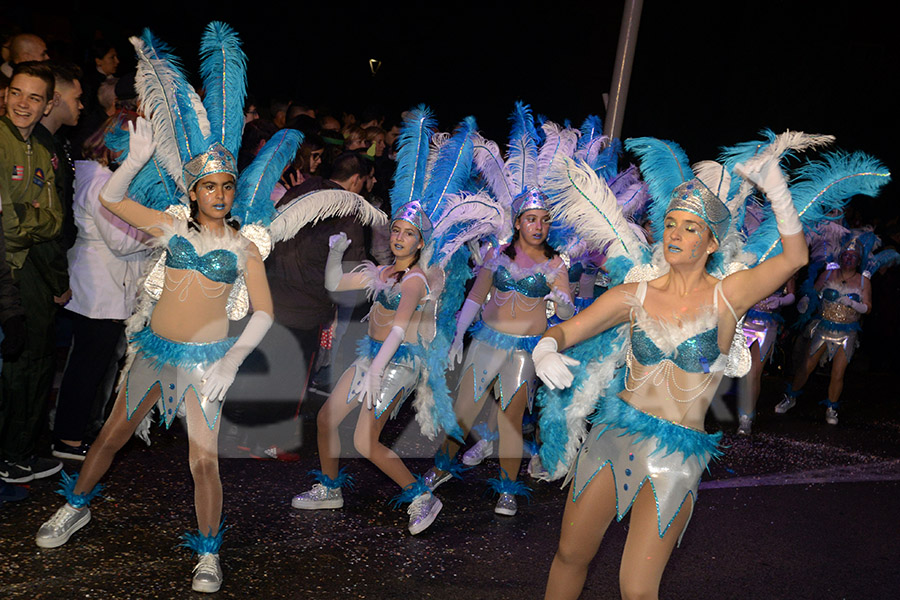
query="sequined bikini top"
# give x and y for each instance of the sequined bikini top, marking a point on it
(533, 286)
(217, 265)
(832, 295)
(692, 347)
(387, 293)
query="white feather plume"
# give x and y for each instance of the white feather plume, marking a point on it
(583, 200)
(787, 142)
(558, 142)
(489, 162)
(323, 204)
(152, 86)
(482, 215)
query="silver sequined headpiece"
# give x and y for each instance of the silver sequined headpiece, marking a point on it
(215, 160)
(413, 212)
(530, 199)
(694, 197)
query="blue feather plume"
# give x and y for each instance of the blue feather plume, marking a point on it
(253, 202)
(452, 167)
(223, 67)
(607, 163)
(820, 187)
(885, 258)
(152, 186)
(412, 156)
(664, 166)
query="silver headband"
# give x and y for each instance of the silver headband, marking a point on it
(530, 199)
(217, 159)
(413, 213)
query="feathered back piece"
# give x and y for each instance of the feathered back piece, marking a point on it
(558, 142)
(412, 156)
(820, 187)
(522, 152)
(592, 141)
(664, 166)
(223, 67)
(258, 179)
(451, 169)
(171, 104)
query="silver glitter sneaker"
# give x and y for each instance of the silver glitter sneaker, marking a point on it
(435, 477)
(831, 416)
(60, 527)
(319, 497)
(423, 510)
(207, 574)
(477, 453)
(786, 404)
(506, 505)
(745, 425)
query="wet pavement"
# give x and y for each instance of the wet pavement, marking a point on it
(798, 510)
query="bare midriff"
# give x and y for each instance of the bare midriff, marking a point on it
(381, 320)
(191, 308)
(514, 313)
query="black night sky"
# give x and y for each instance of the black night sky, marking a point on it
(706, 74)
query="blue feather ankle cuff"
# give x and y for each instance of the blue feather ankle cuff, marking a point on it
(67, 490)
(505, 485)
(204, 544)
(410, 492)
(343, 479)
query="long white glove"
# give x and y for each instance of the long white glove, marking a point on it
(860, 307)
(551, 366)
(220, 375)
(337, 245)
(803, 304)
(464, 320)
(140, 149)
(769, 178)
(372, 381)
(564, 308)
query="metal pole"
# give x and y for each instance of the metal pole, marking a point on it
(631, 18)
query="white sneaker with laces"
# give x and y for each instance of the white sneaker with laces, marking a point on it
(831, 416)
(423, 510)
(745, 425)
(60, 527)
(434, 477)
(536, 468)
(319, 497)
(477, 453)
(207, 574)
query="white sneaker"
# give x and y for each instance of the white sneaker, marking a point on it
(477, 453)
(786, 404)
(536, 468)
(506, 505)
(423, 510)
(831, 416)
(745, 425)
(207, 574)
(60, 527)
(319, 497)
(435, 477)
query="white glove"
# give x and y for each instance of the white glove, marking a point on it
(140, 148)
(786, 299)
(337, 245)
(769, 178)
(220, 375)
(860, 307)
(551, 366)
(464, 320)
(803, 304)
(564, 307)
(372, 381)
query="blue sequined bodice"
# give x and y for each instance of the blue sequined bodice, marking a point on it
(219, 265)
(533, 286)
(694, 355)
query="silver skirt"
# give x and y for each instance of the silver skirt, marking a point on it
(510, 368)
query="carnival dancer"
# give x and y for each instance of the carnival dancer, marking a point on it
(841, 296)
(511, 293)
(392, 358)
(208, 272)
(675, 329)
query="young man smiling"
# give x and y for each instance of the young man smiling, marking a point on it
(32, 215)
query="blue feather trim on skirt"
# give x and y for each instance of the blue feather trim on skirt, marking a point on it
(483, 332)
